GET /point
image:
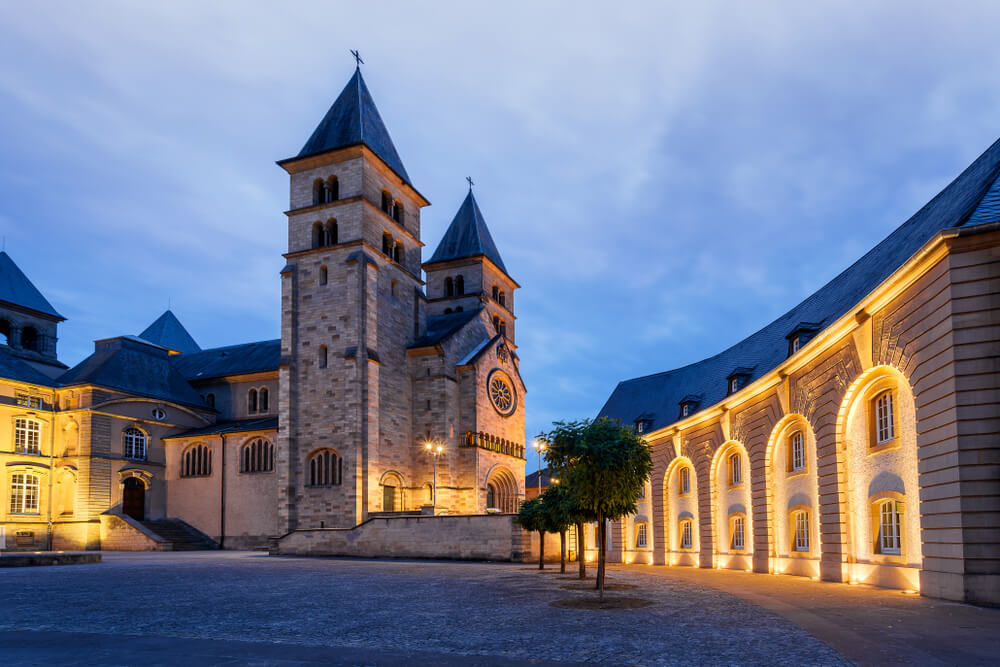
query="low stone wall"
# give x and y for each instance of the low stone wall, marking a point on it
(123, 533)
(460, 537)
(48, 558)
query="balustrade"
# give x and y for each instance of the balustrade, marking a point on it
(493, 443)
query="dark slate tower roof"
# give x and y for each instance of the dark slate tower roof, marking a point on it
(135, 366)
(16, 289)
(971, 199)
(167, 331)
(354, 119)
(467, 236)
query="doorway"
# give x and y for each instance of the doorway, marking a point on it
(134, 498)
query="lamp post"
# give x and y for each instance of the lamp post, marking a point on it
(539, 447)
(434, 450)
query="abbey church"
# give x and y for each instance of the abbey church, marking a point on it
(386, 395)
(853, 439)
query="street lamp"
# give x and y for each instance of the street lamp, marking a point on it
(539, 446)
(434, 450)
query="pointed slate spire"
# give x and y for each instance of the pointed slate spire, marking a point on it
(16, 289)
(467, 236)
(354, 119)
(167, 331)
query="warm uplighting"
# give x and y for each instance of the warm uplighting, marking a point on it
(910, 591)
(814, 578)
(748, 570)
(853, 582)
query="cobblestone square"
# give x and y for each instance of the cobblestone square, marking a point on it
(159, 608)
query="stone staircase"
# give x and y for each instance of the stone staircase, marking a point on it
(179, 536)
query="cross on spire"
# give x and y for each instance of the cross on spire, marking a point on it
(357, 58)
(469, 179)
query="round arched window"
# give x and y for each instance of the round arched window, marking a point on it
(501, 392)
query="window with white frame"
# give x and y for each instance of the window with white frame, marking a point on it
(684, 410)
(640, 536)
(798, 448)
(26, 401)
(686, 534)
(796, 343)
(134, 444)
(736, 541)
(888, 528)
(685, 476)
(735, 469)
(642, 492)
(800, 520)
(734, 385)
(27, 436)
(884, 427)
(24, 493)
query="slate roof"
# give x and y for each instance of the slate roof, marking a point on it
(354, 119)
(168, 332)
(259, 357)
(972, 198)
(531, 480)
(240, 426)
(15, 288)
(13, 368)
(467, 236)
(440, 327)
(135, 366)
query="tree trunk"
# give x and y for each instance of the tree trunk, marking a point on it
(601, 555)
(541, 550)
(562, 552)
(581, 549)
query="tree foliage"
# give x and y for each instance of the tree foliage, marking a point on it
(603, 467)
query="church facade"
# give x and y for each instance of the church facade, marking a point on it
(386, 395)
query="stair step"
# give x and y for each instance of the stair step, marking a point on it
(179, 535)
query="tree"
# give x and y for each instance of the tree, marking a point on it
(563, 511)
(531, 518)
(604, 465)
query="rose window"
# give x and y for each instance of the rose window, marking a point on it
(501, 393)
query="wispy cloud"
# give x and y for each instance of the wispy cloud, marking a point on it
(661, 179)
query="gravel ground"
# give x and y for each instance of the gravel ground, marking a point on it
(456, 608)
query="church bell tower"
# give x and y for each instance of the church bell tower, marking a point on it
(350, 302)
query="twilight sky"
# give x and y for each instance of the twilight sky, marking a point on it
(662, 181)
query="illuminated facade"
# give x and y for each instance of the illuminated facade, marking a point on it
(154, 443)
(856, 437)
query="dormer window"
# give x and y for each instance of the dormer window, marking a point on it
(738, 379)
(685, 409)
(800, 335)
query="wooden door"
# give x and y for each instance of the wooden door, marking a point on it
(134, 499)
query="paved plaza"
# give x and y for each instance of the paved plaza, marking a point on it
(250, 608)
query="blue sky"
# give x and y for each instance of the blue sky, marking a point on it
(662, 179)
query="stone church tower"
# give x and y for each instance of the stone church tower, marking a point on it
(373, 370)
